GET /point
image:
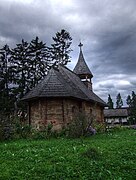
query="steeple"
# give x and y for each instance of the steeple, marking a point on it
(82, 70)
(81, 67)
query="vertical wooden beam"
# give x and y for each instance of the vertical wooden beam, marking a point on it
(63, 116)
(29, 113)
(46, 106)
(40, 110)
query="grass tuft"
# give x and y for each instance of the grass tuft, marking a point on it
(92, 154)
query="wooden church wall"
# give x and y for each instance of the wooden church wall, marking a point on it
(60, 112)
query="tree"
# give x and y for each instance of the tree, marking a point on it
(133, 107)
(131, 101)
(4, 60)
(110, 102)
(60, 49)
(5, 90)
(119, 102)
(20, 71)
(20, 68)
(6, 98)
(38, 61)
(128, 100)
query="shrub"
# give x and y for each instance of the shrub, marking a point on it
(5, 132)
(78, 127)
(92, 154)
(131, 120)
(133, 126)
(100, 127)
(45, 133)
(5, 128)
(21, 131)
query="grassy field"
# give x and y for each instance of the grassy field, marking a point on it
(103, 156)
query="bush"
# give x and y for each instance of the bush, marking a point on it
(131, 120)
(21, 131)
(100, 127)
(78, 127)
(5, 128)
(5, 132)
(45, 133)
(133, 126)
(92, 154)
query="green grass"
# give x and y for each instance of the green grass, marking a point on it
(103, 156)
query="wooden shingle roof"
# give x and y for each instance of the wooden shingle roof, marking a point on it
(121, 112)
(81, 67)
(62, 82)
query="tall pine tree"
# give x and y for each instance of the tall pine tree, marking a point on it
(128, 100)
(20, 68)
(110, 102)
(133, 107)
(60, 49)
(119, 102)
(5, 89)
(38, 61)
(131, 101)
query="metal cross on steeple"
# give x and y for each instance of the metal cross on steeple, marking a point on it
(80, 46)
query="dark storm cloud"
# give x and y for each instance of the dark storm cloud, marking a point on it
(21, 20)
(112, 36)
(118, 51)
(106, 28)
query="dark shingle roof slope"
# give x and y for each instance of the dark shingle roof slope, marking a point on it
(122, 112)
(81, 67)
(62, 83)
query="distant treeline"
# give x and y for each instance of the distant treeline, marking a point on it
(131, 102)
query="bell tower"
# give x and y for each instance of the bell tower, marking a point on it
(82, 70)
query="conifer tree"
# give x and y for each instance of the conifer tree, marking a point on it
(38, 61)
(5, 90)
(131, 101)
(110, 102)
(20, 71)
(128, 100)
(20, 68)
(119, 102)
(60, 49)
(133, 107)
(4, 59)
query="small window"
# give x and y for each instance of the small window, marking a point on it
(73, 109)
(91, 111)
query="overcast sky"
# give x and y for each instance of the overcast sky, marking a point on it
(106, 28)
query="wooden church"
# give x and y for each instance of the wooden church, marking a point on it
(62, 94)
